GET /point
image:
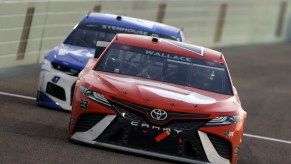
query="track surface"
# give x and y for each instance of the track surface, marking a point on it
(32, 134)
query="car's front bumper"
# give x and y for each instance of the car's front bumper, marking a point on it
(55, 88)
(152, 154)
(211, 144)
(94, 136)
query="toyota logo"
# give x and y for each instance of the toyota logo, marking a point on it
(159, 114)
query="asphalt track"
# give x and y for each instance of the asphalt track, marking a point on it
(262, 75)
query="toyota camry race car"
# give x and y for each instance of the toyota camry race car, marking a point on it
(160, 98)
(62, 65)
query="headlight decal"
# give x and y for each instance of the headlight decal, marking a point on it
(224, 120)
(46, 65)
(95, 96)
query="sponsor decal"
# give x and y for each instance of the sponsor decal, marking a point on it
(84, 104)
(162, 136)
(119, 29)
(235, 149)
(72, 121)
(124, 29)
(168, 55)
(62, 52)
(152, 127)
(158, 114)
(56, 79)
(228, 134)
(155, 35)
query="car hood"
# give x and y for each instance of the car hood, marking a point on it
(72, 56)
(162, 95)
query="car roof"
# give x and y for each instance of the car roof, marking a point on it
(134, 23)
(169, 46)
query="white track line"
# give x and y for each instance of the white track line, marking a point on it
(16, 95)
(245, 134)
(267, 138)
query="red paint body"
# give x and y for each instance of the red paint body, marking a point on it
(103, 83)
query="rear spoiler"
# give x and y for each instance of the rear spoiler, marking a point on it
(100, 47)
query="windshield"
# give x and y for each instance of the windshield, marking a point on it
(166, 67)
(87, 35)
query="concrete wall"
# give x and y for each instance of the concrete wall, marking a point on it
(209, 23)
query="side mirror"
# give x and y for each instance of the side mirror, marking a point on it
(100, 47)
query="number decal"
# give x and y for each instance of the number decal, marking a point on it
(56, 79)
(84, 104)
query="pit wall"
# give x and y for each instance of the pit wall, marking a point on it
(29, 29)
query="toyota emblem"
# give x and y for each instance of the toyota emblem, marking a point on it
(159, 114)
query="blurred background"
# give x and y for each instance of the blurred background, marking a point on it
(30, 28)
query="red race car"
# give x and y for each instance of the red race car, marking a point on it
(161, 98)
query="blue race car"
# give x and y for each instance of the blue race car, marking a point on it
(62, 64)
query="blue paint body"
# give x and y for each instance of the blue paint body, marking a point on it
(44, 100)
(76, 57)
